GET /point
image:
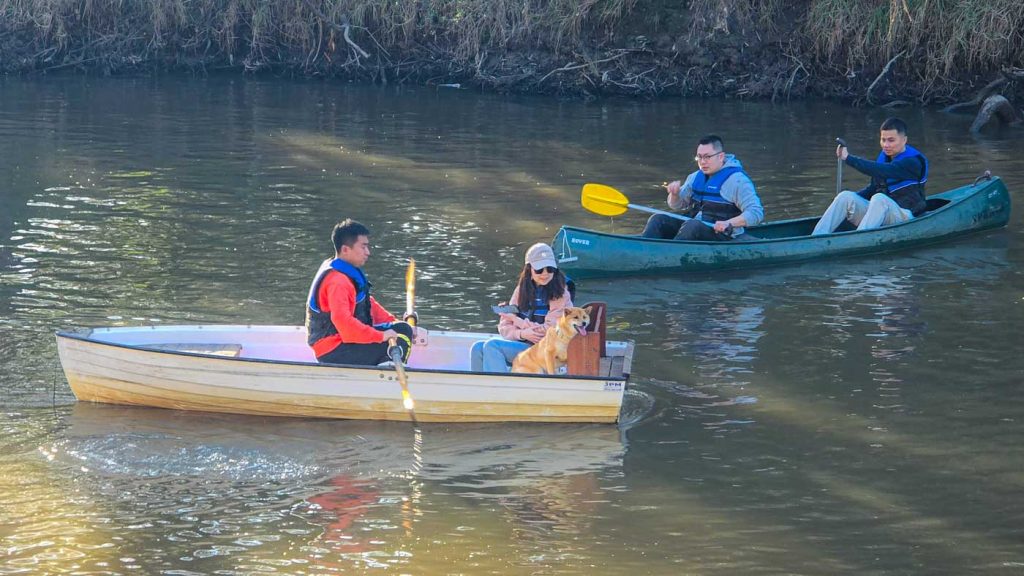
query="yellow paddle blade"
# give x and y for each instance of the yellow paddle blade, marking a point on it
(603, 200)
(407, 400)
(410, 287)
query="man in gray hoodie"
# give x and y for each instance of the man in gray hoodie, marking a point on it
(719, 196)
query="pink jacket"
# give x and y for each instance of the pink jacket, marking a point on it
(511, 329)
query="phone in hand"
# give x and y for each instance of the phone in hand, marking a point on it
(505, 309)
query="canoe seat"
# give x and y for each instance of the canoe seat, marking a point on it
(228, 350)
(587, 353)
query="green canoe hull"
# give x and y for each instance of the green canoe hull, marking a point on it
(586, 253)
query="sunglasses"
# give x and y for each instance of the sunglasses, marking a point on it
(548, 269)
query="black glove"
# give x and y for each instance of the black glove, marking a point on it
(402, 346)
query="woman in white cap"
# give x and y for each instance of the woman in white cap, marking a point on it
(542, 294)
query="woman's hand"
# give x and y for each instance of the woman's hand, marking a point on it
(533, 334)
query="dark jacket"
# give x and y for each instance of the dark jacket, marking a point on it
(902, 178)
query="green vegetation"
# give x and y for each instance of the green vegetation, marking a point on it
(928, 49)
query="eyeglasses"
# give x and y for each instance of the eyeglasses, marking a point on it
(706, 157)
(548, 269)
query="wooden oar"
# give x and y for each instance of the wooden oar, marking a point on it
(396, 352)
(607, 201)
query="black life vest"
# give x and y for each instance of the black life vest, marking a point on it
(318, 322)
(707, 194)
(908, 194)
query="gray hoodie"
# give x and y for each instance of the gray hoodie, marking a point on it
(738, 189)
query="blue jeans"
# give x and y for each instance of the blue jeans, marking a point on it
(495, 354)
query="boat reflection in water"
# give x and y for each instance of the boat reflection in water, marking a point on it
(337, 493)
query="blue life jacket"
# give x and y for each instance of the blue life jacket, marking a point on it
(318, 322)
(908, 194)
(539, 308)
(708, 196)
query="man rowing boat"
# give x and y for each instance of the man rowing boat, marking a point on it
(719, 195)
(345, 324)
(896, 191)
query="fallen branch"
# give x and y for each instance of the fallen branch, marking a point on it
(978, 98)
(881, 75)
(344, 28)
(349, 41)
(896, 104)
(569, 67)
(1000, 108)
(792, 77)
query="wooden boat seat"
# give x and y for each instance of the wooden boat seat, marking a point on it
(587, 353)
(228, 350)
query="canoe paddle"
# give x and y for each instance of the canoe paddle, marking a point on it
(839, 167)
(396, 352)
(608, 201)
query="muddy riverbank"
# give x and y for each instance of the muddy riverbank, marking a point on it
(872, 52)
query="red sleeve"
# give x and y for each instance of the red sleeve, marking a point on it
(340, 295)
(379, 314)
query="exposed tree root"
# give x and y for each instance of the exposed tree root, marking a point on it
(996, 107)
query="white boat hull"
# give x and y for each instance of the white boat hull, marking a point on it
(275, 374)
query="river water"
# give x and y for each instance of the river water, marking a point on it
(856, 416)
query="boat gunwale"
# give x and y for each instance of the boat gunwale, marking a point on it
(556, 377)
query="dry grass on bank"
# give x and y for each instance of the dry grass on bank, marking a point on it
(501, 42)
(261, 32)
(940, 37)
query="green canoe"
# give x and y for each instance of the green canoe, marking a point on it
(586, 253)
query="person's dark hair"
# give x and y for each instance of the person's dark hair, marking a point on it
(347, 232)
(894, 124)
(528, 290)
(712, 139)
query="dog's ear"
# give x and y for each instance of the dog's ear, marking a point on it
(589, 310)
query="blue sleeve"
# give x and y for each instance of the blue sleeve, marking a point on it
(903, 169)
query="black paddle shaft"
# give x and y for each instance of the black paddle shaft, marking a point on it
(839, 167)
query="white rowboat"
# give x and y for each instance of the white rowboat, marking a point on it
(270, 371)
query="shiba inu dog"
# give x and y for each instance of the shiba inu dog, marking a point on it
(551, 354)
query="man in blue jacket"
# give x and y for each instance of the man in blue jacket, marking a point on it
(896, 191)
(719, 194)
